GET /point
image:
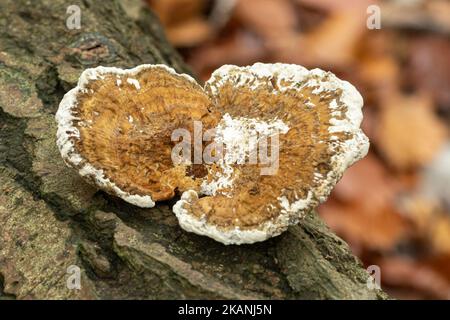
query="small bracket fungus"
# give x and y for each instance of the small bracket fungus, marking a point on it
(273, 141)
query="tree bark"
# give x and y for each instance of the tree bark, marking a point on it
(53, 223)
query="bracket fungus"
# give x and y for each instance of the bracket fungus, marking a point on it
(273, 141)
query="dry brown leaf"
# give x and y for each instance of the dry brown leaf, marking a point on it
(409, 134)
(239, 49)
(270, 19)
(366, 182)
(365, 228)
(184, 21)
(412, 275)
(382, 74)
(362, 212)
(189, 33)
(326, 45)
(176, 11)
(432, 226)
(429, 68)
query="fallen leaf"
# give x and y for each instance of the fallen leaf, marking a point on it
(366, 182)
(175, 11)
(382, 74)
(409, 134)
(238, 48)
(432, 225)
(190, 33)
(270, 19)
(429, 68)
(412, 275)
(364, 228)
(325, 46)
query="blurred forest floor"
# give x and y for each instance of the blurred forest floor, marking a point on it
(393, 207)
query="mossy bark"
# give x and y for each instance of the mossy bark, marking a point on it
(51, 220)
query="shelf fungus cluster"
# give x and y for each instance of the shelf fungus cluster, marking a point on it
(249, 154)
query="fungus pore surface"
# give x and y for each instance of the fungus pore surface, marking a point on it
(282, 138)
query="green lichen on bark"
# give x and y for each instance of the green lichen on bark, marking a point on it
(51, 219)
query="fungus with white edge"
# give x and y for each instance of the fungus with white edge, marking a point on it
(116, 126)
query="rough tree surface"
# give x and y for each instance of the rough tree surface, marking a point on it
(50, 219)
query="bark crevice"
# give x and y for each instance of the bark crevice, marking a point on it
(122, 251)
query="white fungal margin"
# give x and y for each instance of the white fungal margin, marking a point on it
(68, 133)
(227, 236)
(346, 152)
(346, 119)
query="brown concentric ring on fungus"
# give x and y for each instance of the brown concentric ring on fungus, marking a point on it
(317, 117)
(115, 128)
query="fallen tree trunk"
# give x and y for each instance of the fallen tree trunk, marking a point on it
(52, 224)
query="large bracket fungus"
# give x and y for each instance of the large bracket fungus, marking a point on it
(116, 128)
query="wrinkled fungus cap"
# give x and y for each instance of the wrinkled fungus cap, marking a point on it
(115, 127)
